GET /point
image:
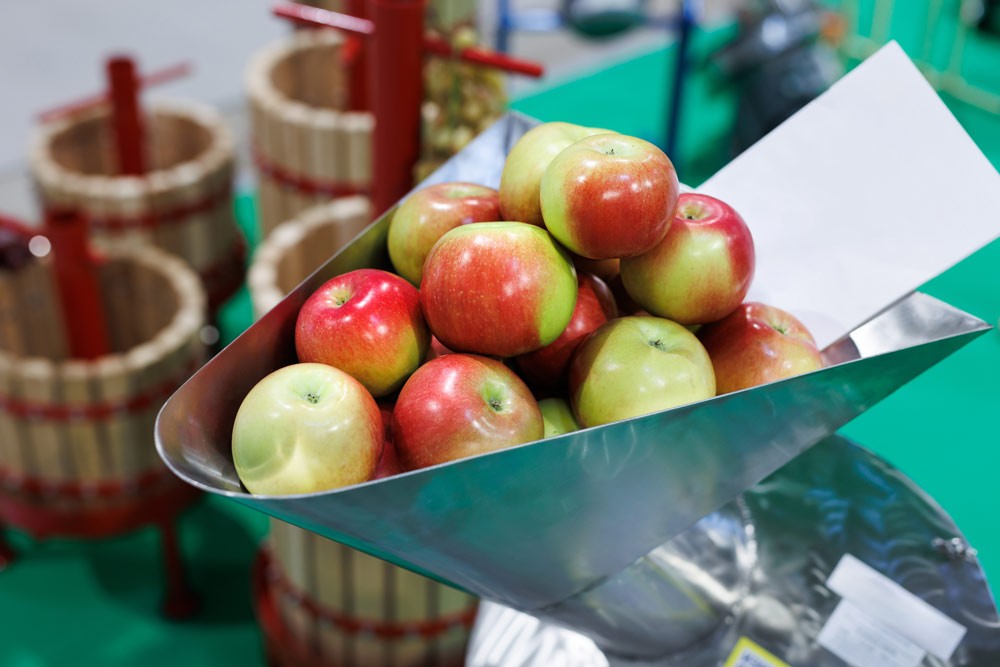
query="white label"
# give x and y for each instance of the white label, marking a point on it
(861, 641)
(895, 608)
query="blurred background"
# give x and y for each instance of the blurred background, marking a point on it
(704, 80)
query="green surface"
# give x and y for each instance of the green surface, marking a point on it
(67, 603)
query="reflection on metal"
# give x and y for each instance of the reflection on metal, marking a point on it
(552, 525)
(835, 499)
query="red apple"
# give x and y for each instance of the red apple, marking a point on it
(427, 214)
(497, 288)
(609, 196)
(388, 465)
(306, 428)
(757, 344)
(545, 369)
(605, 269)
(524, 166)
(436, 350)
(462, 405)
(367, 323)
(702, 268)
(633, 366)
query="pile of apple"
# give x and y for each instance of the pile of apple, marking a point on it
(602, 294)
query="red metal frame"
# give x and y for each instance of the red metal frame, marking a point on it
(159, 77)
(79, 288)
(126, 119)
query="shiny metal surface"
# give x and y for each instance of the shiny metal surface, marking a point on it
(536, 525)
(835, 499)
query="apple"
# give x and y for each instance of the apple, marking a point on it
(367, 323)
(436, 350)
(525, 164)
(462, 405)
(557, 417)
(497, 289)
(756, 344)
(702, 268)
(609, 195)
(306, 428)
(427, 214)
(388, 465)
(605, 269)
(633, 366)
(545, 368)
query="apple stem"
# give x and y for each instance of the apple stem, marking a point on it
(495, 404)
(312, 398)
(658, 344)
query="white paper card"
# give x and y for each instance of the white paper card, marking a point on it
(861, 641)
(866, 193)
(895, 607)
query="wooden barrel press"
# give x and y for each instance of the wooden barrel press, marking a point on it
(182, 204)
(77, 457)
(308, 146)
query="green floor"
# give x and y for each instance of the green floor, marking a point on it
(69, 603)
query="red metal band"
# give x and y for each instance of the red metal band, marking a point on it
(353, 625)
(305, 184)
(151, 498)
(32, 410)
(172, 215)
(77, 490)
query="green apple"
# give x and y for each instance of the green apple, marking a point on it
(557, 417)
(306, 428)
(527, 161)
(633, 366)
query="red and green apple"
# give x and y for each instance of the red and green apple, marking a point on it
(701, 270)
(756, 344)
(428, 213)
(497, 289)
(461, 405)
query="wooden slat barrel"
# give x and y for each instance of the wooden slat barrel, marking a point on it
(183, 204)
(337, 606)
(300, 245)
(308, 146)
(76, 436)
(322, 603)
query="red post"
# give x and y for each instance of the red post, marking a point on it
(79, 288)
(126, 121)
(359, 97)
(396, 70)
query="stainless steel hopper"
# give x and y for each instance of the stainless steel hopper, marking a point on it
(562, 527)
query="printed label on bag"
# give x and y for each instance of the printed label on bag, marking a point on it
(882, 603)
(747, 653)
(861, 641)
